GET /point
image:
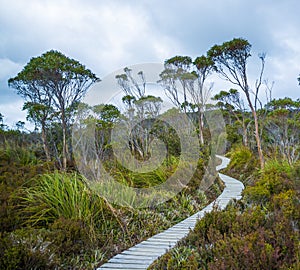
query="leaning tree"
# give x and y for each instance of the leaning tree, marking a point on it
(230, 61)
(53, 82)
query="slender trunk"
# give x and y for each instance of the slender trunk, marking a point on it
(55, 150)
(201, 136)
(64, 146)
(245, 135)
(45, 143)
(184, 97)
(242, 123)
(257, 137)
(258, 141)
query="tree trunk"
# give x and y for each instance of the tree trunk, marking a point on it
(257, 137)
(245, 135)
(258, 141)
(64, 134)
(201, 136)
(45, 143)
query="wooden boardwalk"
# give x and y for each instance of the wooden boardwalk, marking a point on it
(142, 255)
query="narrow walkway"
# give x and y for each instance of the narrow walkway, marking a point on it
(142, 255)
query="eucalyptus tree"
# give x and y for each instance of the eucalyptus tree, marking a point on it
(283, 127)
(201, 94)
(232, 102)
(177, 69)
(40, 115)
(57, 82)
(147, 110)
(148, 106)
(106, 115)
(130, 85)
(230, 61)
(141, 111)
(191, 76)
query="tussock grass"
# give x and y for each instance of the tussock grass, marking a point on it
(63, 195)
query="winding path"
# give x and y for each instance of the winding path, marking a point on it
(142, 255)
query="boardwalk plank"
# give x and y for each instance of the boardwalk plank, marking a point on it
(142, 255)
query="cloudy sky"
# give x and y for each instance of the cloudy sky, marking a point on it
(109, 35)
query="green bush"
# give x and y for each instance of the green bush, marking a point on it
(26, 249)
(229, 239)
(69, 237)
(259, 232)
(139, 179)
(242, 164)
(15, 176)
(274, 179)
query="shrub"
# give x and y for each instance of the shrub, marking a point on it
(15, 177)
(242, 164)
(25, 249)
(69, 237)
(274, 179)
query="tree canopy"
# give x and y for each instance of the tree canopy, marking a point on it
(53, 82)
(230, 61)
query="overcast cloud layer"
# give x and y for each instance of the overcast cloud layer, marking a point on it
(109, 35)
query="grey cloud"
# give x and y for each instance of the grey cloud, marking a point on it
(109, 35)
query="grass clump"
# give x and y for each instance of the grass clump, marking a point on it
(63, 195)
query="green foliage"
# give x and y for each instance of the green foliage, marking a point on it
(26, 249)
(179, 258)
(64, 195)
(67, 245)
(232, 53)
(274, 179)
(52, 65)
(52, 85)
(142, 180)
(17, 167)
(19, 155)
(242, 164)
(179, 61)
(234, 112)
(259, 232)
(233, 239)
(233, 136)
(106, 113)
(69, 236)
(203, 63)
(79, 220)
(283, 128)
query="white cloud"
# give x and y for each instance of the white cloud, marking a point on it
(106, 35)
(109, 35)
(7, 68)
(13, 113)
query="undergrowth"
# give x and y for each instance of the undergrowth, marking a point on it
(53, 220)
(259, 232)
